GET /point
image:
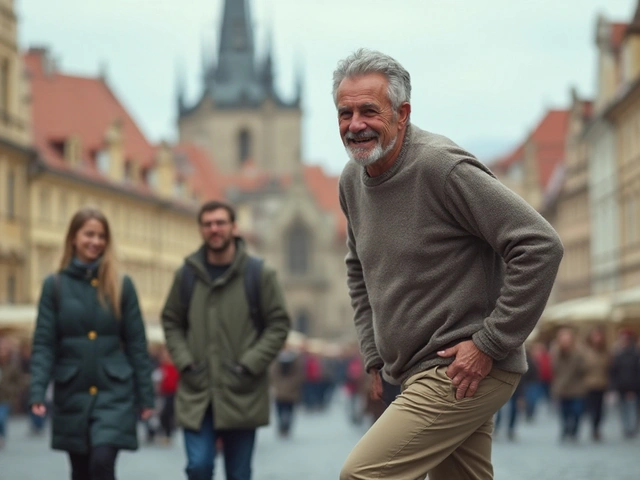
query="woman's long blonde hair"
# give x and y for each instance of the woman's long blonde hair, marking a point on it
(109, 289)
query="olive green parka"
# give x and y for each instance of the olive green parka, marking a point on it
(219, 335)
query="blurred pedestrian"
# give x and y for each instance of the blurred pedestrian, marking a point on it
(224, 322)
(625, 379)
(568, 383)
(597, 364)
(169, 377)
(445, 289)
(515, 402)
(10, 384)
(287, 378)
(90, 339)
(540, 390)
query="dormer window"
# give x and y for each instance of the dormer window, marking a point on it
(103, 161)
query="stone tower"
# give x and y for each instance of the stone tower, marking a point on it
(239, 116)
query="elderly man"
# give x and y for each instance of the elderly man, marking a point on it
(448, 272)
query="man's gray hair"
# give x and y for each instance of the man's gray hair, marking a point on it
(363, 62)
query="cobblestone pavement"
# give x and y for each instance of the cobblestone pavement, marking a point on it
(322, 442)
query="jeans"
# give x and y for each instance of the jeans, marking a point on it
(285, 416)
(200, 447)
(98, 464)
(570, 413)
(5, 409)
(628, 413)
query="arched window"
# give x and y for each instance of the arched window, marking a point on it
(244, 146)
(298, 249)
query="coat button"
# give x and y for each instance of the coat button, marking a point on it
(92, 335)
(94, 282)
(93, 390)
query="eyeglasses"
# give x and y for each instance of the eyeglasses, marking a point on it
(217, 223)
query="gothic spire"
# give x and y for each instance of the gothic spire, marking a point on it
(236, 52)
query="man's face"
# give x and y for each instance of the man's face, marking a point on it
(217, 230)
(368, 124)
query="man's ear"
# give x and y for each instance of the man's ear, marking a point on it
(404, 112)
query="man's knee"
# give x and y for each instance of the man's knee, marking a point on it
(351, 470)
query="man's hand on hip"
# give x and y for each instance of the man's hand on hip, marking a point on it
(468, 368)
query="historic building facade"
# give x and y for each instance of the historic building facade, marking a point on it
(288, 211)
(15, 155)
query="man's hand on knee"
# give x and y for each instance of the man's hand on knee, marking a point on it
(468, 368)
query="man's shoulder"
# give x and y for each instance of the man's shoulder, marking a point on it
(439, 155)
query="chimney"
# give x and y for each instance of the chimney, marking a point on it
(73, 151)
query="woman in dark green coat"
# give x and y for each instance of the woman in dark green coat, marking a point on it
(90, 340)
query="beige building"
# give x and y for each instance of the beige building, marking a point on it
(15, 155)
(603, 172)
(571, 206)
(93, 153)
(289, 211)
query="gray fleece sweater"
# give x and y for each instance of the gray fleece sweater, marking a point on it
(441, 252)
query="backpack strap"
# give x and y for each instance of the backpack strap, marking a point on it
(252, 277)
(187, 284)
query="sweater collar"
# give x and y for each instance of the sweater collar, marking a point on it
(395, 167)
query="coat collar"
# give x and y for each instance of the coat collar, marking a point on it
(198, 261)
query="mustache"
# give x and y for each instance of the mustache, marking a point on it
(361, 135)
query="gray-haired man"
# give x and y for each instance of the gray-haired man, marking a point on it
(448, 272)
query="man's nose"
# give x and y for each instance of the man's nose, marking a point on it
(357, 124)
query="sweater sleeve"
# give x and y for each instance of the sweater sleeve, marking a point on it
(43, 356)
(363, 315)
(529, 246)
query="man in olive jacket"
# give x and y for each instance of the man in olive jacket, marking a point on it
(222, 356)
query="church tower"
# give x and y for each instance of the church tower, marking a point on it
(239, 116)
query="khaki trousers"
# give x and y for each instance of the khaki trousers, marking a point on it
(426, 430)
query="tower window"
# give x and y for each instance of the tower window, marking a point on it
(244, 146)
(11, 195)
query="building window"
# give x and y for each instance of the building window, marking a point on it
(45, 205)
(11, 195)
(244, 146)
(4, 89)
(302, 322)
(102, 162)
(298, 244)
(11, 289)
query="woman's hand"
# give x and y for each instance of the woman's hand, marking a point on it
(39, 409)
(147, 413)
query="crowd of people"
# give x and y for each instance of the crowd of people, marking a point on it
(578, 376)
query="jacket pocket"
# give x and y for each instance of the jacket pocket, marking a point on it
(120, 371)
(64, 373)
(196, 381)
(241, 382)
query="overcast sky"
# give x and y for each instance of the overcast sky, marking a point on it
(483, 72)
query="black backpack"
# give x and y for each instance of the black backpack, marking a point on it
(252, 275)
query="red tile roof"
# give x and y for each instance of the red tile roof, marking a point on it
(325, 190)
(549, 143)
(65, 105)
(203, 177)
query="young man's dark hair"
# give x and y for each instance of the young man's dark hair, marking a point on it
(212, 205)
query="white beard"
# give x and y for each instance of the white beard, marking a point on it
(359, 156)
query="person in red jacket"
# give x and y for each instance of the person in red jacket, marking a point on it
(168, 388)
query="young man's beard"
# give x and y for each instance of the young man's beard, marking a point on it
(221, 248)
